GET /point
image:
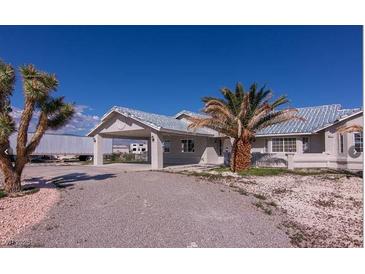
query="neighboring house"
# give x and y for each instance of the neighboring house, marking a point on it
(138, 148)
(310, 143)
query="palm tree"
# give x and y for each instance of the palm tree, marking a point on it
(239, 115)
(350, 129)
(54, 113)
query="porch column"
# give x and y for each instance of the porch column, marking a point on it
(299, 144)
(269, 145)
(290, 160)
(98, 150)
(156, 151)
(329, 142)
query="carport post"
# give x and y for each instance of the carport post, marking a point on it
(98, 150)
(156, 151)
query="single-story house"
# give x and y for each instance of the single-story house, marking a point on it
(311, 143)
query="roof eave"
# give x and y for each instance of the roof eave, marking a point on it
(283, 134)
(338, 121)
(166, 130)
(114, 110)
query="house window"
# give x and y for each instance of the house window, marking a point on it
(341, 143)
(143, 149)
(306, 144)
(166, 146)
(134, 149)
(284, 145)
(187, 146)
(358, 142)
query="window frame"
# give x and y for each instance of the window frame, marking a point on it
(341, 146)
(361, 143)
(164, 146)
(283, 144)
(187, 145)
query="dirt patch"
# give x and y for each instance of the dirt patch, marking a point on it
(19, 213)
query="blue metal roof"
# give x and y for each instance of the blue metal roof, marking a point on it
(316, 118)
(189, 113)
(161, 122)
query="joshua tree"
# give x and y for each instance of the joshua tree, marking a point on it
(240, 115)
(54, 113)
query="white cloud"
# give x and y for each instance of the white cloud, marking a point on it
(81, 123)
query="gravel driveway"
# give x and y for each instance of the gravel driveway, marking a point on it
(106, 207)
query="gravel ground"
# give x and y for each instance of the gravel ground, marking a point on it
(321, 211)
(99, 208)
(16, 214)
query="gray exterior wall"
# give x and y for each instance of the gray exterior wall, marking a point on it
(206, 150)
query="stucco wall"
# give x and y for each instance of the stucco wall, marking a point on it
(206, 150)
(317, 143)
(344, 160)
(259, 145)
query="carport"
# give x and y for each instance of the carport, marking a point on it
(127, 123)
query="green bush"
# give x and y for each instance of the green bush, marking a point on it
(2, 194)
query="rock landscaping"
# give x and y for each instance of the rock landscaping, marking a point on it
(321, 209)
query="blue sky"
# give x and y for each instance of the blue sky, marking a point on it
(165, 69)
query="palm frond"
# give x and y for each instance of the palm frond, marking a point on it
(213, 123)
(206, 99)
(232, 102)
(350, 129)
(240, 91)
(217, 110)
(276, 118)
(240, 114)
(282, 100)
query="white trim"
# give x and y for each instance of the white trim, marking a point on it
(106, 116)
(284, 134)
(283, 143)
(341, 144)
(165, 130)
(338, 121)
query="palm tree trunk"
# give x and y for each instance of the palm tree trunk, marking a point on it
(241, 155)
